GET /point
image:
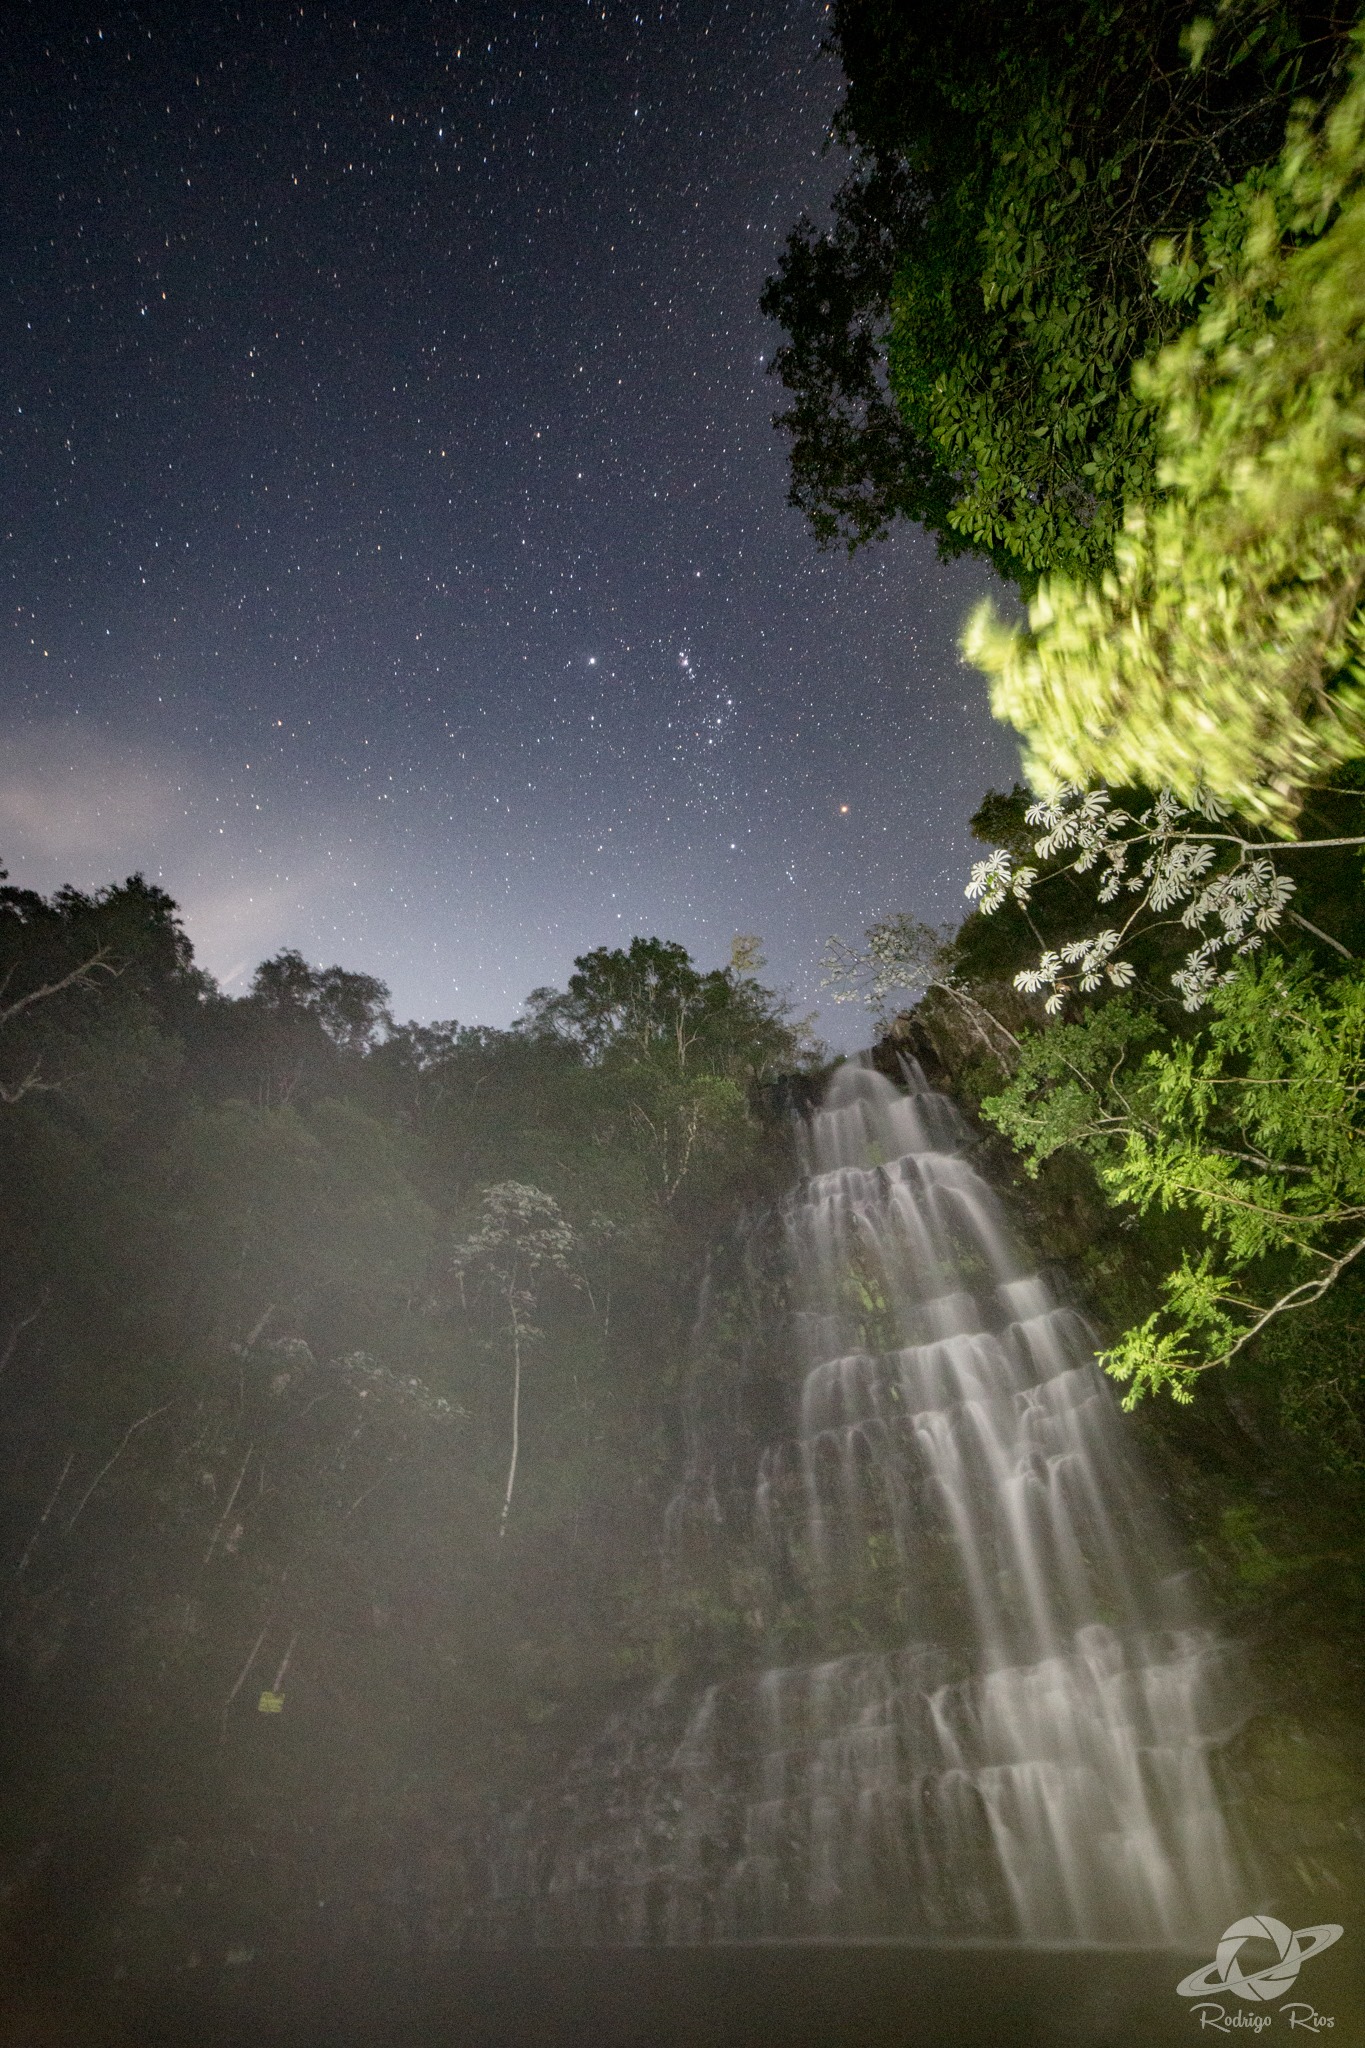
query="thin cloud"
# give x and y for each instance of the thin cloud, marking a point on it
(89, 808)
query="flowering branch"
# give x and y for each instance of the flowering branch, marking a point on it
(1163, 858)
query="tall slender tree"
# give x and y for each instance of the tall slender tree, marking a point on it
(520, 1238)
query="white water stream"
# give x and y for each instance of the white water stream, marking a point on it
(1033, 1763)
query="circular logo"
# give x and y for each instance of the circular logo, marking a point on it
(1224, 1973)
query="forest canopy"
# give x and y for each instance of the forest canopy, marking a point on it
(351, 1341)
(1224, 649)
(296, 1149)
(183, 1168)
(958, 345)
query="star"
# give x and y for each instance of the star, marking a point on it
(496, 397)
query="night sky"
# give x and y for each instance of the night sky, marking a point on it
(396, 561)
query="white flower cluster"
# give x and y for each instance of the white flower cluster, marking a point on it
(1161, 858)
(1090, 962)
(997, 879)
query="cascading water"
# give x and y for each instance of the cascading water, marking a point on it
(1017, 1746)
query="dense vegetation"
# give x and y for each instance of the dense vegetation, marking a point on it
(1089, 307)
(1118, 311)
(277, 1270)
(1223, 649)
(1215, 1119)
(958, 346)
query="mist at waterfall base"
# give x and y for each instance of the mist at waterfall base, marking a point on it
(1002, 1823)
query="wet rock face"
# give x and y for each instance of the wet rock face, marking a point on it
(991, 1714)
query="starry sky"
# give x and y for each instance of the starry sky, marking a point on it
(394, 555)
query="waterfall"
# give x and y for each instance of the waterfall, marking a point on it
(999, 1718)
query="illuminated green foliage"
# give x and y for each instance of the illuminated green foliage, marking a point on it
(959, 342)
(1225, 649)
(1255, 1124)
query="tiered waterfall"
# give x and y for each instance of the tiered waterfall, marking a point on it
(997, 1718)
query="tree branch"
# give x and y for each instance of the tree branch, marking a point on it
(1302, 1296)
(108, 1466)
(1296, 917)
(79, 977)
(17, 1329)
(38, 1526)
(213, 1540)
